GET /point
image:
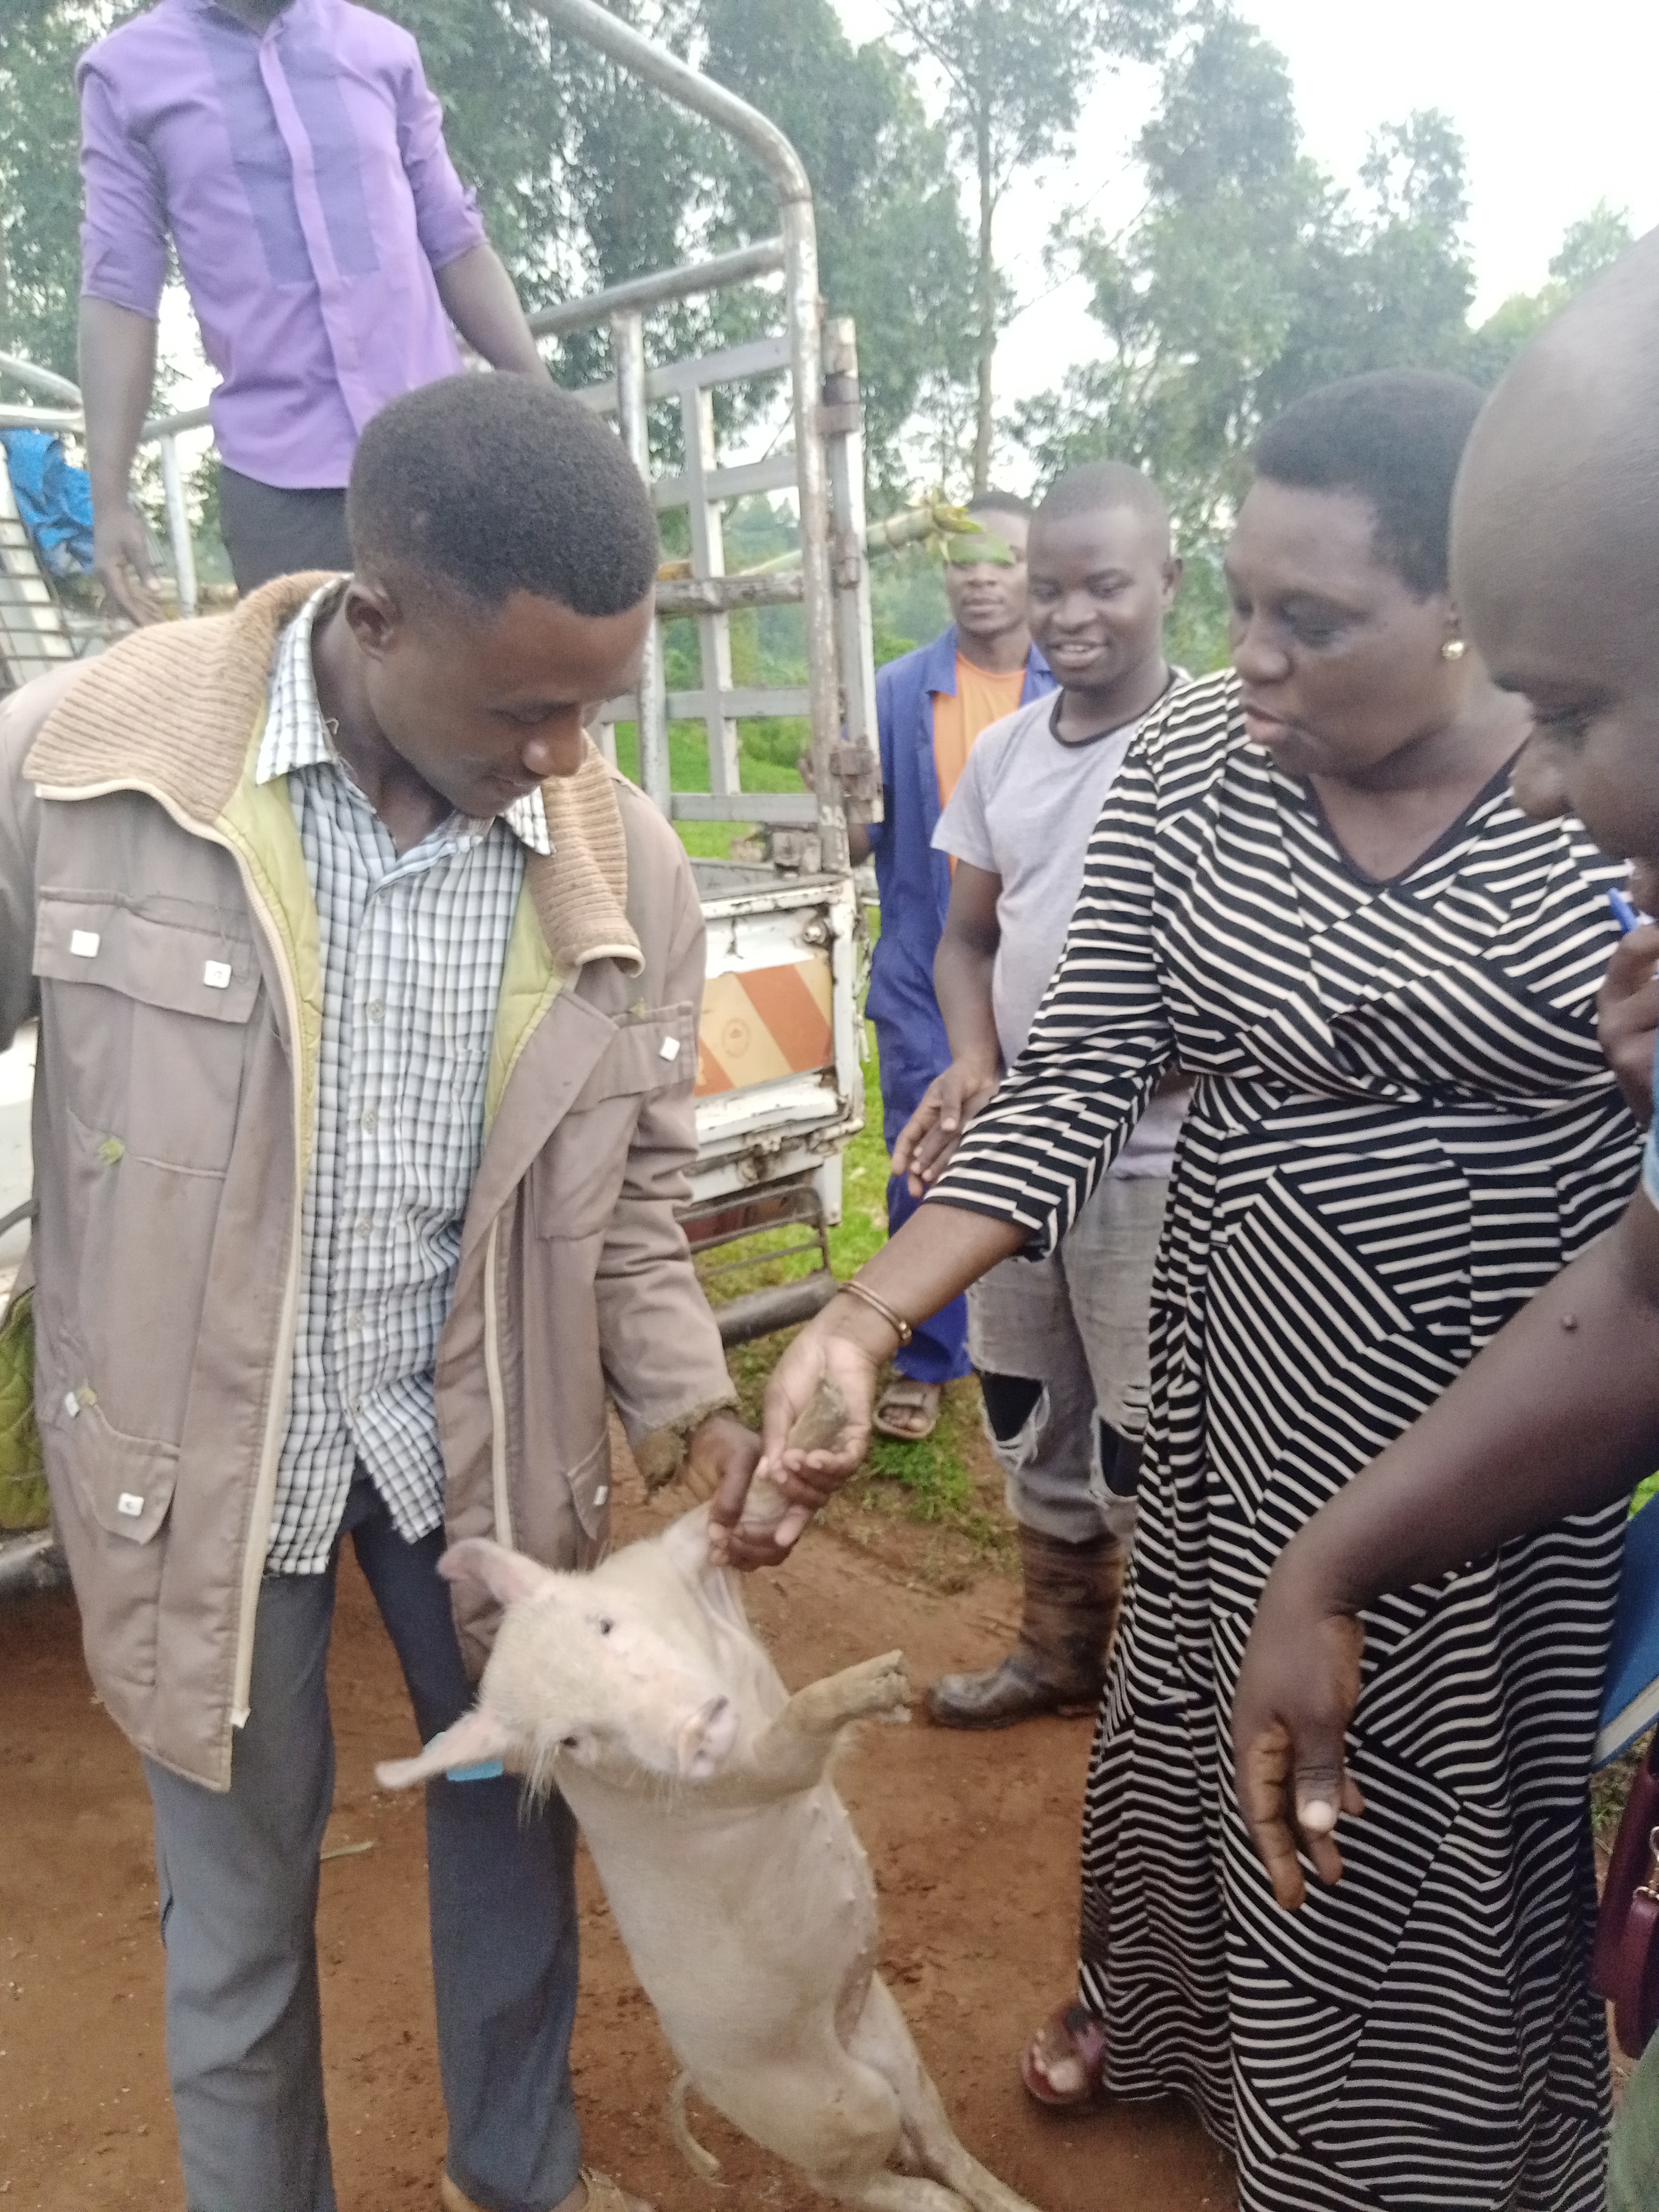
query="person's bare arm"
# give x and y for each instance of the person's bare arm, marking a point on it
(117, 374)
(963, 970)
(479, 299)
(1558, 1415)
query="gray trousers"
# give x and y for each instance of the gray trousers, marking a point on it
(1073, 1327)
(270, 531)
(239, 1879)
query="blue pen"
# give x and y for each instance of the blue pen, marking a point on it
(1623, 911)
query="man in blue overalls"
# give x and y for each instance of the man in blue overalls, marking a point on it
(931, 707)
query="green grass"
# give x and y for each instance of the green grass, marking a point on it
(931, 1483)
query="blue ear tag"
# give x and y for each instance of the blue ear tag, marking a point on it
(482, 1769)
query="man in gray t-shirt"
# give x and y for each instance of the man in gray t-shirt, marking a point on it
(1061, 1343)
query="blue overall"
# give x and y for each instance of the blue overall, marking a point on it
(914, 884)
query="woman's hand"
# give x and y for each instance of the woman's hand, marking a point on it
(1627, 1017)
(1298, 1688)
(934, 1130)
(845, 1347)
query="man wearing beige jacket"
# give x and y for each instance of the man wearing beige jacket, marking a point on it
(368, 998)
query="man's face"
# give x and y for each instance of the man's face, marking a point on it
(1564, 613)
(987, 598)
(1098, 587)
(483, 705)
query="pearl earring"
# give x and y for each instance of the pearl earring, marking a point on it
(1454, 648)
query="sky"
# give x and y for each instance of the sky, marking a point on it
(1555, 104)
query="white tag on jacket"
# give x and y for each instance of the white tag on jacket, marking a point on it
(131, 1503)
(84, 944)
(217, 975)
(669, 1049)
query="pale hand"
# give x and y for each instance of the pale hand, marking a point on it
(934, 1130)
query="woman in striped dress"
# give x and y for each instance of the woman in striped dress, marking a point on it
(1312, 890)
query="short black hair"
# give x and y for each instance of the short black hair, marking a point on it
(999, 502)
(1098, 487)
(1395, 437)
(497, 483)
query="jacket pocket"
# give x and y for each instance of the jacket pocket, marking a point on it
(113, 1496)
(145, 1011)
(123, 1483)
(579, 1175)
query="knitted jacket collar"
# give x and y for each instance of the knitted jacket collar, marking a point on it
(173, 709)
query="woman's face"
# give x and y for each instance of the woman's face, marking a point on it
(1340, 659)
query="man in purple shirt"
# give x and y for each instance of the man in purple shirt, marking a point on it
(294, 152)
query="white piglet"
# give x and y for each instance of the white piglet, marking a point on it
(733, 1870)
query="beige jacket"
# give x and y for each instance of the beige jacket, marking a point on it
(173, 1111)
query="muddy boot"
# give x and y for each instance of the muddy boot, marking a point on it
(1059, 1664)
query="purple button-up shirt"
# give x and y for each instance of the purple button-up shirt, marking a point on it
(303, 174)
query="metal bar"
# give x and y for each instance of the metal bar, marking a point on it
(708, 559)
(757, 1312)
(172, 426)
(751, 1260)
(757, 357)
(775, 473)
(850, 567)
(59, 387)
(739, 267)
(728, 705)
(23, 417)
(805, 311)
(802, 312)
(697, 595)
(795, 809)
(184, 553)
(35, 1562)
(658, 66)
(766, 357)
(651, 711)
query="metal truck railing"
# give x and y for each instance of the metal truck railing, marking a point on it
(781, 1080)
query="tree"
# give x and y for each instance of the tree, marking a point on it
(40, 184)
(1246, 279)
(1016, 72)
(892, 250)
(1592, 244)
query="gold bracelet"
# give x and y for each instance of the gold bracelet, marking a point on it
(858, 1289)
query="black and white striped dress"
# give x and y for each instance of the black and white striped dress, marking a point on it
(1401, 1127)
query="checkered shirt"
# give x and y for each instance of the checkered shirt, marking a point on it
(412, 950)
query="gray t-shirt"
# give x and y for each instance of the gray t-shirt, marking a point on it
(1025, 810)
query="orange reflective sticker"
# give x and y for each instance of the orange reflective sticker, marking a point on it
(764, 1024)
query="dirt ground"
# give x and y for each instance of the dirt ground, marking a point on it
(972, 1840)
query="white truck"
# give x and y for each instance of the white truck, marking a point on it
(780, 1081)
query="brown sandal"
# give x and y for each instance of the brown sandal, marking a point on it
(1063, 2062)
(903, 1395)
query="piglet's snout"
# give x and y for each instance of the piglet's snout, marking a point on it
(706, 1739)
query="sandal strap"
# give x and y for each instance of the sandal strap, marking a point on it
(605, 2195)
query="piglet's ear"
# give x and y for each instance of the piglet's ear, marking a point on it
(475, 1740)
(508, 1575)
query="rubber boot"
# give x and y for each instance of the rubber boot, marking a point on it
(1059, 1662)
